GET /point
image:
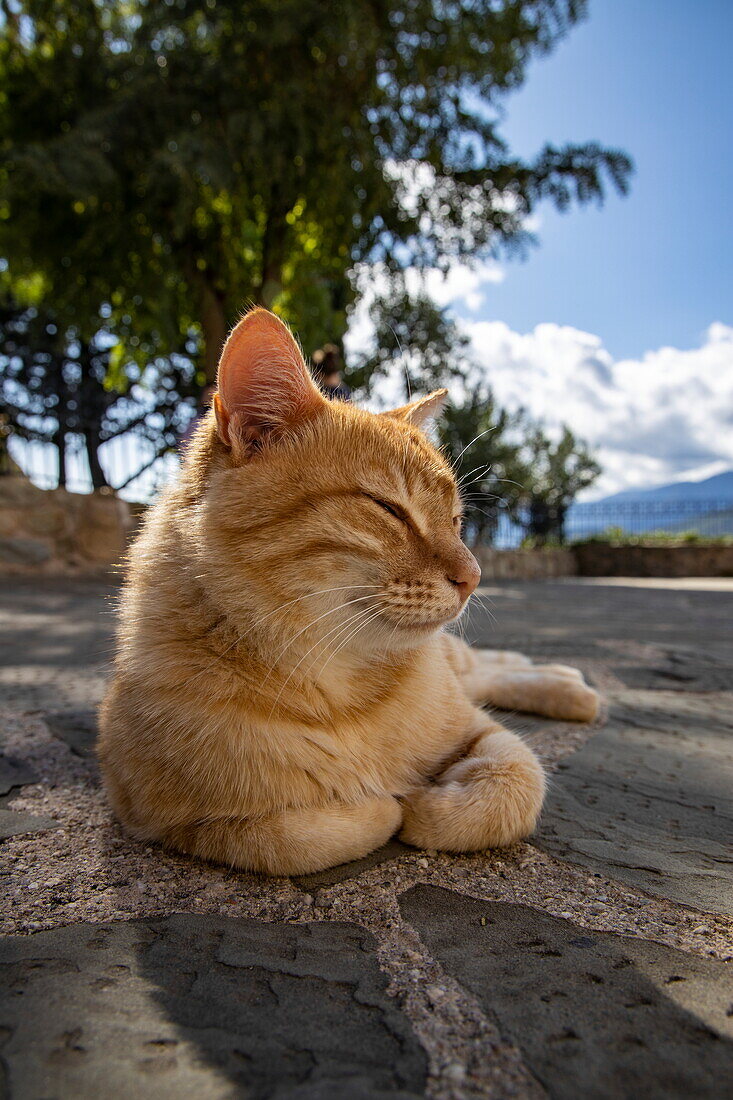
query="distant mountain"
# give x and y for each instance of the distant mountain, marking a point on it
(718, 488)
(702, 506)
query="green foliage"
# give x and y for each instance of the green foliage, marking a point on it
(505, 463)
(413, 340)
(484, 445)
(516, 469)
(55, 388)
(419, 347)
(541, 542)
(559, 470)
(165, 162)
(617, 536)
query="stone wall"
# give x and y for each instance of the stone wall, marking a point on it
(595, 559)
(525, 564)
(52, 531)
(601, 560)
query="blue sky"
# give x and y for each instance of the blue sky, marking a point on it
(620, 323)
(656, 79)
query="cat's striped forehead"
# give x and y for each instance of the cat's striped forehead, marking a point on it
(341, 451)
(402, 454)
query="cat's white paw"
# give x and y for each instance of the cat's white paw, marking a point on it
(489, 800)
(561, 692)
(553, 691)
(501, 658)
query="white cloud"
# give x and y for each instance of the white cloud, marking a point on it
(664, 417)
(462, 284)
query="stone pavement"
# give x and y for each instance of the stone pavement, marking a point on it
(595, 961)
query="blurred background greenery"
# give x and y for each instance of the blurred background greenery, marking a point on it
(166, 163)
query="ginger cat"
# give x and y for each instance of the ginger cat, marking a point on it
(284, 696)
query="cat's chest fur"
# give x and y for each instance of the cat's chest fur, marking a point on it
(368, 734)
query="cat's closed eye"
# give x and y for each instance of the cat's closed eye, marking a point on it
(392, 509)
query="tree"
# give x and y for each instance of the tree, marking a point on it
(484, 445)
(505, 464)
(54, 387)
(174, 160)
(418, 347)
(558, 471)
(412, 340)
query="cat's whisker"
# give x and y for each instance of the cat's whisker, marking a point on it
(241, 637)
(507, 481)
(481, 494)
(318, 592)
(402, 621)
(487, 605)
(338, 627)
(474, 440)
(395, 628)
(476, 481)
(313, 623)
(463, 619)
(476, 474)
(472, 502)
(354, 632)
(468, 473)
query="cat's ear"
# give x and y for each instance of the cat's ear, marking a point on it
(263, 383)
(421, 409)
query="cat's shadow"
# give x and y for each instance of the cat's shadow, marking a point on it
(264, 1006)
(274, 1007)
(268, 1005)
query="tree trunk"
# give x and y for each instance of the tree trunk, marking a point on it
(59, 442)
(214, 326)
(91, 443)
(59, 438)
(271, 284)
(273, 246)
(540, 521)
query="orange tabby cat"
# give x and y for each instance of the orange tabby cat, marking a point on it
(284, 697)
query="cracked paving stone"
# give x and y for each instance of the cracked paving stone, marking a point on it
(14, 823)
(198, 1007)
(679, 671)
(77, 727)
(652, 805)
(14, 773)
(596, 1015)
(389, 851)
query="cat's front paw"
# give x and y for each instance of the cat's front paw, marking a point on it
(507, 773)
(487, 800)
(553, 691)
(565, 695)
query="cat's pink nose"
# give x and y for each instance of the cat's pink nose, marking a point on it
(464, 574)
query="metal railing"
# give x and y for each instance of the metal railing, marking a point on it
(130, 466)
(628, 519)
